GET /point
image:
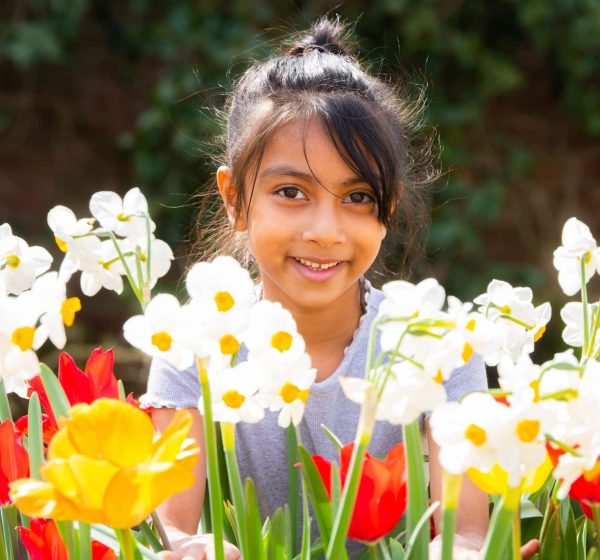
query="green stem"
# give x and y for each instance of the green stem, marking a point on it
(4, 406)
(214, 482)
(293, 476)
(235, 483)
(417, 488)
(584, 301)
(162, 534)
(8, 529)
(373, 551)
(366, 422)
(450, 495)
(152, 539)
(127, 543)
(3, 553)
(66, 530)
(500, 525)
(516, 535)
(85, 541)
(596, 515)
(132, 283)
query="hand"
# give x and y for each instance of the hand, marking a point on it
(465, 549)
(198, 547)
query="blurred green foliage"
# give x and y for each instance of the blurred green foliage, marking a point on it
(469, 53)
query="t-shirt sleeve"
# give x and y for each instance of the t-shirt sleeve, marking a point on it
(466, 379)
(171, 388)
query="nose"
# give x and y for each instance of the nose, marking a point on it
(325, 226)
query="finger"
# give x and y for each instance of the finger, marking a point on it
(530, 548)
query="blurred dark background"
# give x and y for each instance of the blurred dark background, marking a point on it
(106, 95)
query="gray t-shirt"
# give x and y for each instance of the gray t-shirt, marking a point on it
(261, 447)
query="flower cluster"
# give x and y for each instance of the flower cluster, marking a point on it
(220, 320)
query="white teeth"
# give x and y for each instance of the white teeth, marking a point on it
(317, 266)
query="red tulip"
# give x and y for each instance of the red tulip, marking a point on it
(586, 490)
(14, 460)
(381, 498)
(96, 381)
(48, 427)
(43, 541)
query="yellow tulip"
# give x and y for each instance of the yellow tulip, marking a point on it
(496, 480)
(105, 466)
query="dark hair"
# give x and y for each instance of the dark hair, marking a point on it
(368, 122)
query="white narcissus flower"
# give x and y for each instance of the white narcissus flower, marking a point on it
(520, 376)
(161, 256)
(234, 395)
(405, 302)
(73, 237)
(104, 273)
(408, 393)
(162, 331)
(19, 339)
(287, 382)
(467, 432)
(572, 316)
(58, 311)
(577, 243)
(560, 376)
(20, 264)
(123, 216)
(221, 285)
(272, 329)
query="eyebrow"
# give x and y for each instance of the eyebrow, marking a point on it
(279, 170)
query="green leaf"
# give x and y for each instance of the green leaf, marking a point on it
(293, 473)
(336, 488)
(412, 549)
(332, 437)
(58, 400)
(256, 550)
(107, 536)
(317, 494)
(397, 550)
(278, 536)
(35, 441)
(569, 536)
(550, 537)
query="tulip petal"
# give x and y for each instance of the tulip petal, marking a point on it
(144, 487)
(103, 430)
(168, 445)
(36, 498)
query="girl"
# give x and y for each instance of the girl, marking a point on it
(318, 166)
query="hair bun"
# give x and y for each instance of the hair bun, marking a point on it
(326, 36)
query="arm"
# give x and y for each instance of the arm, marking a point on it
(472, 518)
(180, 514)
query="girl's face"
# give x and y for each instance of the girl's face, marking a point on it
(312, 242)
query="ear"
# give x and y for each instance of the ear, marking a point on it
(229, 195)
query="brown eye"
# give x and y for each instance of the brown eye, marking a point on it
(290, 192)
(360, 197)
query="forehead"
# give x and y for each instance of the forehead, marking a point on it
(305, 146)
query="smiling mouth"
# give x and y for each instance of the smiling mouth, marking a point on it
(315, 265)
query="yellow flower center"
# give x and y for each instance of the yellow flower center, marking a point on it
(23, 338)
(123, 217)
(439, 378)
(587, 257)
(593, 473)
(539, 334)
(13, 261)
(68, 309)
(476, 435)
(467, 352)
(535, 385)
(233, 399)
(224, 301)
(162, 340)
(229, 344)
(528, 430)
(505, 309)
(290, 392)
(281, 341)
(470, 325)
(62, 245)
